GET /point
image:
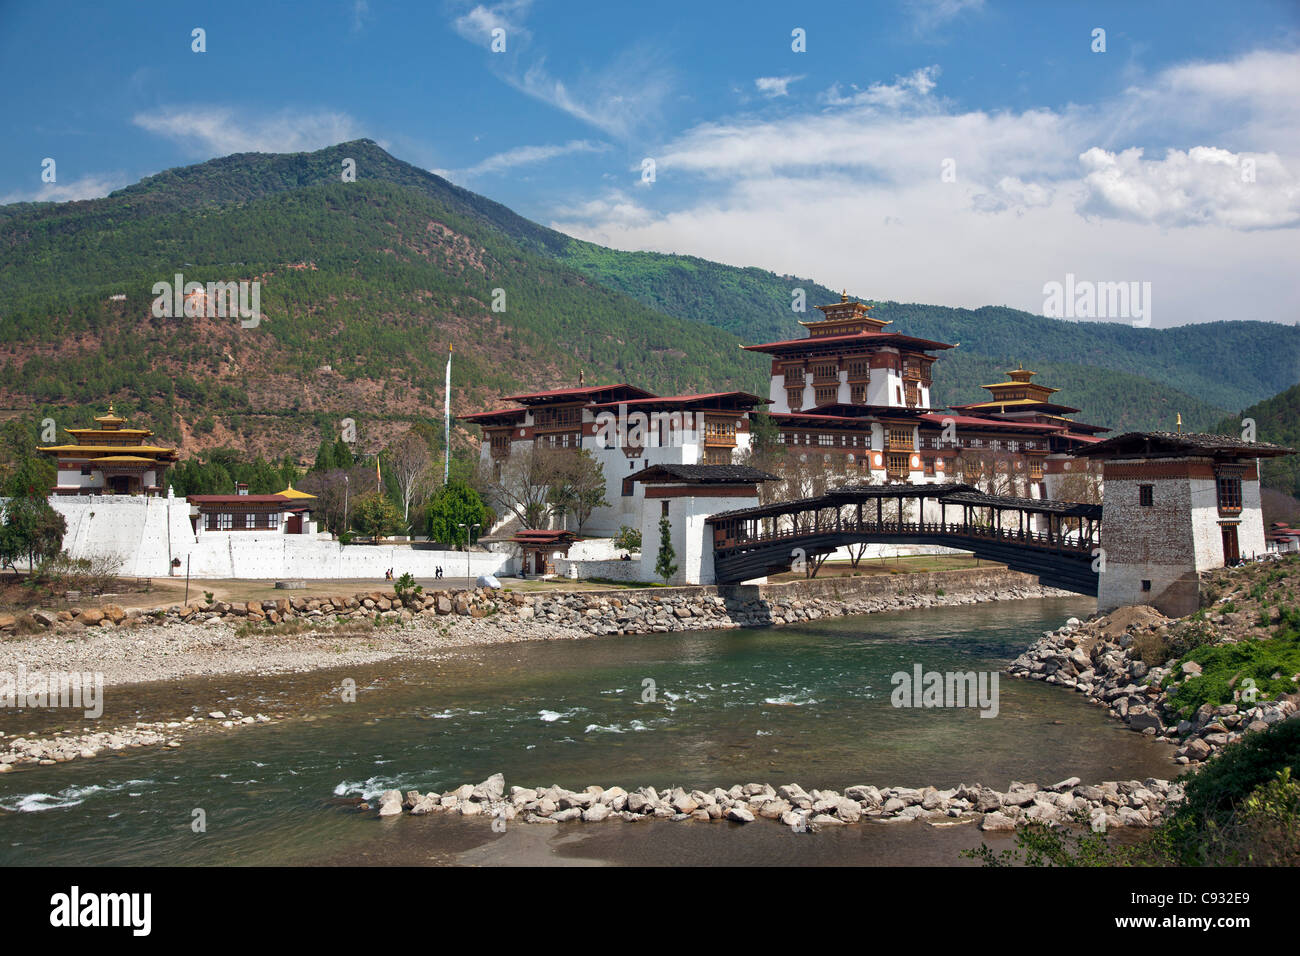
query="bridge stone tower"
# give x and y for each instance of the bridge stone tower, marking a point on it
(1175, 505)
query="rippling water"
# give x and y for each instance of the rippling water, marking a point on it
(807, 704)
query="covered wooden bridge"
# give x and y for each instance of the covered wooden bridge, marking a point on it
(1054, 540)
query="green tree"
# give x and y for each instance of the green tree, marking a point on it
(453, 505)
(664, 566)
(31, 530)
(629, 539)
(343, 457)
(374, 514)
(324, 457)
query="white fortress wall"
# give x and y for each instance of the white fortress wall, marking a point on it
(147, 533)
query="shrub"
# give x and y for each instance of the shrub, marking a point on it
(628, 539)
(405, 586)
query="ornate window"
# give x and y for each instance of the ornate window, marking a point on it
(1228, 485)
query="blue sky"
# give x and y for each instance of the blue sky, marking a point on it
(1122, 165)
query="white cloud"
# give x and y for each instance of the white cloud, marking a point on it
(525, 155)
(772, 86)
(905, 91)
(87, 187)
(929, 15)
(623, 96)
(477, 24)
(1201, 186)
(360, 13)
(1010, 192)
(852, 194)
(218, 131)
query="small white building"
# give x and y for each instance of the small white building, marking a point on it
(686, 495)
(1175, 505)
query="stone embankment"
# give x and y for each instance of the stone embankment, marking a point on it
(1099, 658)
(1112, 804)
(625, 611)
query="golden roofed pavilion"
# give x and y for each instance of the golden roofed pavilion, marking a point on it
(110, 459)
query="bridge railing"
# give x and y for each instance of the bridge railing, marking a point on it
(1058, 541)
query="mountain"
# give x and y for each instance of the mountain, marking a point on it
(364, 284)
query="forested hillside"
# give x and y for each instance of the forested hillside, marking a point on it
(1277, 420)
(364, 285)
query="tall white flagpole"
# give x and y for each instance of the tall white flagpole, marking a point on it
(446, 423)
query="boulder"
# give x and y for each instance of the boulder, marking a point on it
(996, 821)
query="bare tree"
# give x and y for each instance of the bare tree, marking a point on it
(411, 465)
(987, 471)
(524, 483)
(1084, 486)
(578, 486)
(335, 489)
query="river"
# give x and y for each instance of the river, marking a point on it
(808, 704)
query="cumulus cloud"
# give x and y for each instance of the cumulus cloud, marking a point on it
(854, 194)
(1202, 186)
(773, 86)
(216, 131)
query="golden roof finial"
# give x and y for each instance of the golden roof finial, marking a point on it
(844, 295)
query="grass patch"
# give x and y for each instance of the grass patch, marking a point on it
(1225, 666)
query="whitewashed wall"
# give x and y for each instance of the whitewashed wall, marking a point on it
(147, 533)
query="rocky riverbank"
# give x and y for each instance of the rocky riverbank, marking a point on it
(303, 634)
(1111, 804)
(1102, 659)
